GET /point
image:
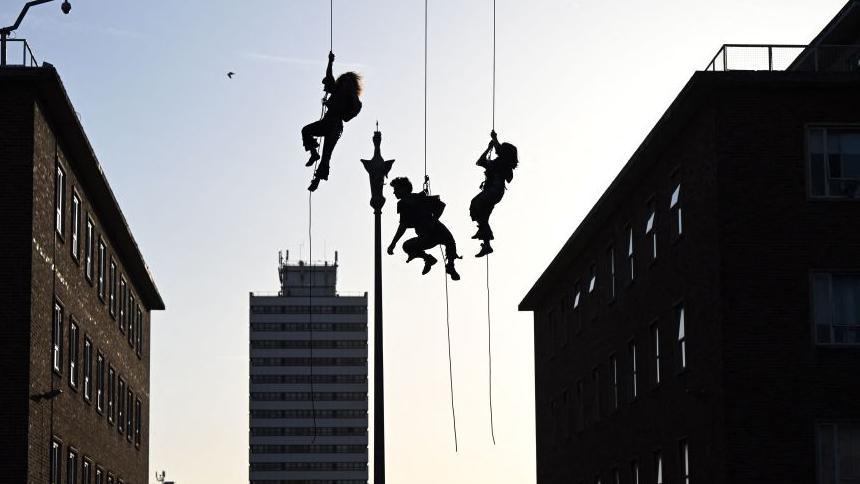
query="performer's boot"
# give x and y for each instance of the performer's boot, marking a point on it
(486, 249)
(314, 157)
(429, 261)
(449, 268)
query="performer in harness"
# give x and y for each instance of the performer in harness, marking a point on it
(342, 104)
(497, 171)
(421, 212)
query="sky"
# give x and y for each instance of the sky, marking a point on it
(210, 174)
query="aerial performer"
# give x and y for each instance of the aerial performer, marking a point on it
(421, 212)
(341, 105)
(497, 171)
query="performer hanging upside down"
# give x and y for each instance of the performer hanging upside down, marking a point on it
(421, 212)
(497, 171)
(341, 105)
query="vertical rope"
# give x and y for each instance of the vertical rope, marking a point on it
(426, 178)
(331, 26)
(494, 65)
(450, 359)
(311, 313)
(490, 352)
(489, 320)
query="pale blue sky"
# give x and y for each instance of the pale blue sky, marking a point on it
(209, 173)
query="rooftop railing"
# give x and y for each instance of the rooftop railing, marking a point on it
(16, 52)
(761, 57)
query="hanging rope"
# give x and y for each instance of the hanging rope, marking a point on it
(445, 274)
(494, 65)
(490, 352)
(450, 359)
(311, 250)
(311, 312)
(426, 177)
(489, 320)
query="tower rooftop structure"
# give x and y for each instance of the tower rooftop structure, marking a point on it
(307, 278)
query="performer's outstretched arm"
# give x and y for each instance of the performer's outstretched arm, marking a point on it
(328, 81)
(401, 229)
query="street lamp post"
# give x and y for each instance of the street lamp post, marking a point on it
(377, 169)
(66, 7)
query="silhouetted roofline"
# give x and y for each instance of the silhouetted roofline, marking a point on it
(686, 104)
(49, 91)
(843, 29)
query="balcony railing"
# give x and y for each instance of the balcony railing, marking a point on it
(758, 57)
(16, 52)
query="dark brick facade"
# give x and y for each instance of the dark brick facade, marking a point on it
(39, 132)
(756, 384)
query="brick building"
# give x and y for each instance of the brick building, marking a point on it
(308, 380)
(75, 300)
(702, 324)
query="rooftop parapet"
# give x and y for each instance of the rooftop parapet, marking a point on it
(798, 58)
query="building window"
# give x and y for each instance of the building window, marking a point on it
(838, 453)
(72, 467)
(613, 381)
(138, 331)
(684, 449)
(616, 476)
(100, 382)
(88, 252)
(57, 338)
(651, 230)
(111, 396)
(576, 310)
(682, 336)
(834, 162)
(87, 472)
(138, 413)
(129, 414)
(73, 354)
(123, 303)
(658, 468)
(836, 308)
(677, 213)
(88, 369)
(109, 478)
(611, 257)
(658, 355)
(634, 371)
(55, 461)
(59, 199)
(592, 281)
(131, 316)
(595, 379)
(76, 226)
(120, 405)
(580, 406)
(634, 472)
(100, 476)
(101, 278)
(112, 289)
(630, 255)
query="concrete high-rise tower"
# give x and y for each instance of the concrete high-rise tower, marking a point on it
(308, 380)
